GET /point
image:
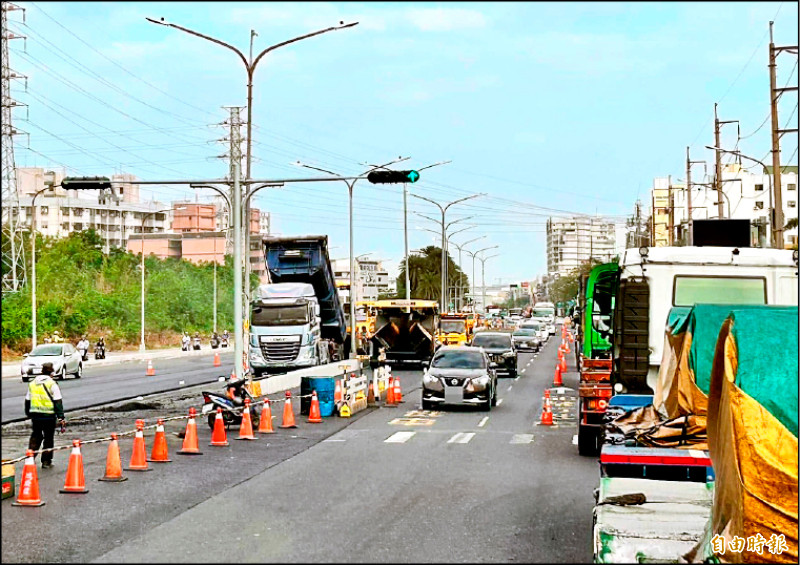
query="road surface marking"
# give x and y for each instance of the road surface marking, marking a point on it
(522, 438)
(412, 422)
(329, 439)
(575, 439)
(517, 377)
(523, 370)
(509, 387)
(399, 437)
(499, 402)
(483, 421)
(461, 437)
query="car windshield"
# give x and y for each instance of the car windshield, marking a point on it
(453, 326)
(459, 360)
(492, 341)
(542, 313)
(525, 332)
(47, 351)
(280, 316)
(530, 326)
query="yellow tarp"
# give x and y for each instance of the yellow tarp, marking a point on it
(755, 461)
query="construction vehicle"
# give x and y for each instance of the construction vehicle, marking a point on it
(297, 320)
(453, 329)
(405, 331)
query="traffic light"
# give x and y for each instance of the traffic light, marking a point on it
(392, 177)
(86, 183)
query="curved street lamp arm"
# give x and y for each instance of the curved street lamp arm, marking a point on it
(427, 217)
(471, 240)
(398, 160)
(306, 36)
(458, 220)
(465, 198)
(434, 165)
(486, 249)
(218, 190)
(198, 34)
(429, 200)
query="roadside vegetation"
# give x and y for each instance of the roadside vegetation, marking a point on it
(81, 290)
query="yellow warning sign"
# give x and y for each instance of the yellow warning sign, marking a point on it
(344, 411)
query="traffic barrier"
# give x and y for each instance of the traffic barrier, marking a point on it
(75, 482)
(355, 394)
(190, 443)
(265, 423)
(314, 416)
(139, 455)
(557, 381)
(151, 372)
(29, 486)
(160, 453)
(218, 436)
(246, 427)
(113, 463)
(217, 360)
(288, 413)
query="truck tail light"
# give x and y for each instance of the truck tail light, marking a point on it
(601, 404)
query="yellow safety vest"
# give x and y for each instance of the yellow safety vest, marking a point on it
(40, 401)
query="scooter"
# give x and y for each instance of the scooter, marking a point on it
(84, 354)
(99, 352)
(224, 341)
(231, 402)
(196, 345)
(214, 342)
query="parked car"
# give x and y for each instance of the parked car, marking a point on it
(65, 358)
(501, 350)
(459, 374)
(526, 339)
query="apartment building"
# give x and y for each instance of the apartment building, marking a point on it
(573, 241)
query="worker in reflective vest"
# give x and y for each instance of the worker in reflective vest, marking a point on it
(43, 405)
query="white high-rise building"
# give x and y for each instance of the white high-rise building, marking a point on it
(573, 241)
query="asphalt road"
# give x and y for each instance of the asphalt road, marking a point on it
(459, 485)
(105, 384)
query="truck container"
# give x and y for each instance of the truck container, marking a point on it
(405, 331)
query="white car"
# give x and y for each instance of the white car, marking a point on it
(65, 358)
(538, 326)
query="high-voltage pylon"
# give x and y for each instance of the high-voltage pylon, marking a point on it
(13, 252)
(234, 139)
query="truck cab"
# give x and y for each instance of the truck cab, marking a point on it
(453, 330)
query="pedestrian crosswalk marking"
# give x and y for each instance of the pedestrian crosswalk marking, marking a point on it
(483, 421)
(461, 437)
(522, 438)
(399, 437)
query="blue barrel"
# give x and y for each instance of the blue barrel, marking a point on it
(325, 387)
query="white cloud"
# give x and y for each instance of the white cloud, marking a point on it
(446, 19)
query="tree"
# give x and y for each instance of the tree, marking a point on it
(425, 275)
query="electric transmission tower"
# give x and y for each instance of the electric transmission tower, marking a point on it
(13, 252)
(234, 155)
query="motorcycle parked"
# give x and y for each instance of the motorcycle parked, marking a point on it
(231, 402)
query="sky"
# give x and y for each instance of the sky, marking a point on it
(548, 109)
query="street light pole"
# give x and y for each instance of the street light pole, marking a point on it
(33, 267)
(483, 280)
(474, 254)
(461, 268)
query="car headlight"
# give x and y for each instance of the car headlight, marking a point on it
(428, 378)
(508, 354)
(483, 380)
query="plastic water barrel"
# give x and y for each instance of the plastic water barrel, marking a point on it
(325, 387)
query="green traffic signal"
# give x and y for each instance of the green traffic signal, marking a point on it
(392, 177)
(86, 183)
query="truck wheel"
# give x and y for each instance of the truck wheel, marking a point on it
(588, 441)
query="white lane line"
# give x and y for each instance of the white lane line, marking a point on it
(399, 437)
(499, 402)
(522, 438)
(522, 371)
(483, 421)
(509, 387)
(575, 439)
(517, 377)
(461, 437)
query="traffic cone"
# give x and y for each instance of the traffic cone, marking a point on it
(139, 455)
(151, 372)
(265, 423)
(113, 463)
(314, 416)
(218, 436)
(29, 487)
(190, 444)
(337, 392)
(371, 395)
(159, 453)
(75, 482)
(557, 377)
(217, 362)
(563, 365)
(246, 427)
(547, 413)
(560, 353)
(398, 392)
(288, 414)
(390, 393)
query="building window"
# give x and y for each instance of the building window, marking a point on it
(44, 210)
(78, 227)
(792, 203)
(759, 206)
(791, 187)
(759, 187)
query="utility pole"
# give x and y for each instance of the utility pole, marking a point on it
(670, 213)
(718, 167)
(775, 93)
(14, 256)
(689, 164)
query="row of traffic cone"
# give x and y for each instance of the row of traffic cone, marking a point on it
(151, 371)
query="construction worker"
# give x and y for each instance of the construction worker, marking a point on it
(44, 407)
(57, 338)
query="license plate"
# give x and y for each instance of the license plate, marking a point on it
(207, 408)
(453, 394)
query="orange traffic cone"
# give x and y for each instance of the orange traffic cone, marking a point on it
(560, 353)
(113, 463)
(288, 414)
(337, 392)
(398, 392)
(390, 393)
(75, 482)
(29, 487)
(547, 413)
(265, 423)
(151, 372)
(139, 455)
(218, 436)
(246, 427)
(566, 346)
(190, 444)
(313, 412)
(371, 395)
(159, 453)
(217, 362)
(563, 365)
(557, 377)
